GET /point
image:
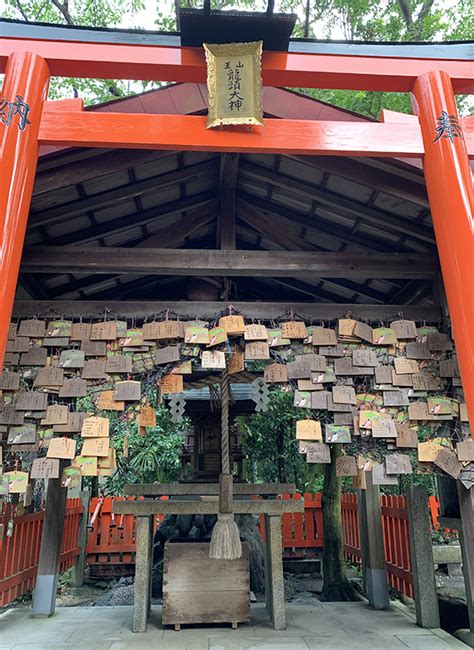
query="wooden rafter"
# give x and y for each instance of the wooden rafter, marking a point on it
(119, 194)
(374, 216)
(378, 179)
(64, 170)
(128, 222)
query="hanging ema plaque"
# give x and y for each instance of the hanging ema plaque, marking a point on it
(234, 83)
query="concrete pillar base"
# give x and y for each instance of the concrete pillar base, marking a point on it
(45, 595)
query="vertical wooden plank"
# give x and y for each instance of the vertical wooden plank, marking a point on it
(298, 534)
(48, 567)
(372, 541)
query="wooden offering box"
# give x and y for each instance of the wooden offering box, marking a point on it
(197, 589)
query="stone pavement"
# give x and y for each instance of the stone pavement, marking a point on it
(317, 626)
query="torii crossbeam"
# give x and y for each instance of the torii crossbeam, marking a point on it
(29, 55)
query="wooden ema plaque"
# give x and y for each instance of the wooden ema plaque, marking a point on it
(74, 387)
(73, 424)
(233, 325)
(235, 363)
(103, 331)
(323, 336)
(45, 468)
(94, 369)
(308, 430)
(63, 448)
(275, 373)
(255, 333)
(81, 332)
(163, 331)
(127, 391)
(31, 401)
(56, 414)
(346, 466)
(106, 402)
(95, 447)
(33, 329)
(257, 350)
(294, 330)
(34, 357)
(119, 364)
(49, 378)
(95, 427)
(213, 360)
(147, 417)
(9, 380)
(170, 354)
(72, 359)
(171, 384)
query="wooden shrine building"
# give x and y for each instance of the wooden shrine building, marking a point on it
(133, 210)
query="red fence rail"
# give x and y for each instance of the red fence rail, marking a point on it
(396, 540)
(112, 539)
(19, 553)
(301, 532)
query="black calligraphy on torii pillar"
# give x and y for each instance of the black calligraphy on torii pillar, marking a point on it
(8, 110)
(448, 127)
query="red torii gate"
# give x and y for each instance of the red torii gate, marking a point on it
(29, 63)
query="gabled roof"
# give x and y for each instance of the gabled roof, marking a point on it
(171, 199)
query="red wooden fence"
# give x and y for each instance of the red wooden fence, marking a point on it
(350, 528)
(19, 554)
(112, 540)
(302, 532)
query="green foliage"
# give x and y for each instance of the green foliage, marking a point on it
(91, 13)
(152, 457)
(271, 448)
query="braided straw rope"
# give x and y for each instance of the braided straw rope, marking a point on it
(225, 451)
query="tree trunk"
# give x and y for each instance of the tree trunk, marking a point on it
(336, 586)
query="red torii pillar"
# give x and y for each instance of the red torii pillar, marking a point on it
(451, 195)
(26, 80)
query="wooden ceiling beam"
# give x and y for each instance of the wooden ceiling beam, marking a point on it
(360, 289)
(202, 309)
(206, 201)
(100, 200)
(99, 163)
(172, 237)
(257, 207)
(377, 179)
(388, 222)
(166, 261)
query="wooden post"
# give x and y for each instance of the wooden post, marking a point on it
(24, 90)
(44, 597)
(466, 537)
(77, 576)
(451, 194)
(371, 538)
(421, 550)
(143, 561)
(274, 584)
